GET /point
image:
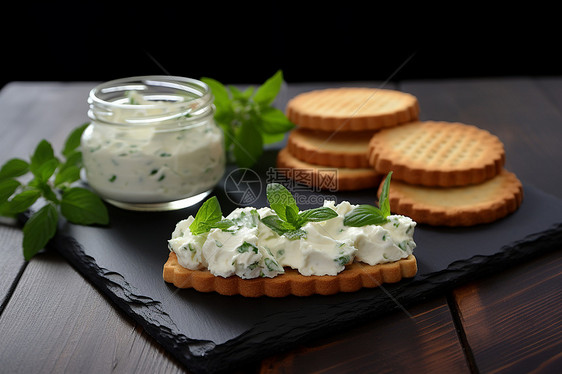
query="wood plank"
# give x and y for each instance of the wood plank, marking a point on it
(12, 263)
(57, 322)
(513, 321)
(30, 112)
(424, 341)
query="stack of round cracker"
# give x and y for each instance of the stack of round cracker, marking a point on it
(444, 173)
(329, 148)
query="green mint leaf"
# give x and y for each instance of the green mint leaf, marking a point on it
(67, 175)
(14, 167)
(266, 93)
(220, 94)
(242, 96)
(248, 145)
(7, 188)
(235, 93)
(292, 216)
(277, 225)
(369, 215)
(73, 158)
(274, 121)
(83, 207)
(5, 210)
(317, 215)
(73, 140)
(364, 215)
(247, 120)
(279, 198)
(22, 201)
(39, 229)
(46, 190)
(248, 92)
(208, 214)
(43, 153)
(272, 138)
(78, 205)
(289, 220)
(384, 201)
(222, 224)
(44, 171)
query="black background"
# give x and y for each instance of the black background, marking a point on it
(246, 42)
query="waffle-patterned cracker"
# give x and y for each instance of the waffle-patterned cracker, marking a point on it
(432, 153)
(352, 109)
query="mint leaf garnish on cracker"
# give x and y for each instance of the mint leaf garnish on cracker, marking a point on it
(368, 214)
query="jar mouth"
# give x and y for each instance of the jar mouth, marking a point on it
(150, 100)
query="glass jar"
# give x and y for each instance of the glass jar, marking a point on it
(152, 143)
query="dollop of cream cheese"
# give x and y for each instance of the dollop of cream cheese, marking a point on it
(250, 249)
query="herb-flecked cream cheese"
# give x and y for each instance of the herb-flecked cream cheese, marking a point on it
(250, 249)
(152, 163)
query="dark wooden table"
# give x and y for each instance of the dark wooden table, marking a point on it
(54, 320)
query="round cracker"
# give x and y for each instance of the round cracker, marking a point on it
(347, 149)
(457, 206)
(354, 277)
(433, 153)
(326, 177)
(352, 109)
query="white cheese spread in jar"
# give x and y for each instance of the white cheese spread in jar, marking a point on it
(152, 143)
(251, 249)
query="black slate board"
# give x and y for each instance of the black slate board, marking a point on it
(210, 332)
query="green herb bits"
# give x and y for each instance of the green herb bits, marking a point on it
(156, 147)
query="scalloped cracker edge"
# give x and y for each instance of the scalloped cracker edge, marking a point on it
(437, 153)
(352, 109)
(353, 278)
(326, 177)
(458, 206)
(347, 149)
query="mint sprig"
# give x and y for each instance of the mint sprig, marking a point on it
(209, 216)
(50, 183)
(248, 119)
(289, 219)
(364, 215)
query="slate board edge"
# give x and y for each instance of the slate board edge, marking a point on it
(207, 357)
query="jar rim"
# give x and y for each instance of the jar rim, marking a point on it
(187, 98)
